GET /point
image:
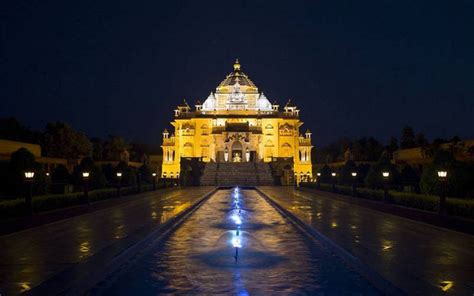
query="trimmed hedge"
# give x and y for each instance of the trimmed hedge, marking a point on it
(455, 206)
(17, 208)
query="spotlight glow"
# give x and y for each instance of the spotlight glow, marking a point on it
(236, 242)
(236, 218)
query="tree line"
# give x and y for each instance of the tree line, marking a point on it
(60, 140)
(370, 149)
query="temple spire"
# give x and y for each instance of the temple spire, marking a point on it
(236, 65)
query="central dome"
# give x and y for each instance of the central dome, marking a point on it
(237, 76)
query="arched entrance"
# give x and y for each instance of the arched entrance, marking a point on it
(237, 150)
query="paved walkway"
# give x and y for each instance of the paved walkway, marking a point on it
(416, 257)
(29, 257)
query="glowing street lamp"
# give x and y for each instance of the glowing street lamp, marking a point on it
(333, 174)
(85, 177)
(154, 180)
(119, 183)
(385, 175)
(443, 177)
(354, 182)
(29, 175)
(318, 179)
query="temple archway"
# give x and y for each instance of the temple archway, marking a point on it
(237, 150)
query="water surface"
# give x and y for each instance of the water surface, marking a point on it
(274, 258)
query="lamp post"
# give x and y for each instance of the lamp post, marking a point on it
(442, 176)
(29, 175)
(333, 182)
(226, 154)
(139, 181)
(385, 175)
(178, 183)
(85, 177)
(154, 181)
(318, 180)
(164, 180)
(354, 182)
(119, 183)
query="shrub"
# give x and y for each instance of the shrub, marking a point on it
(20, 161)
(145, 173)
(460, 177)
(16, 207)
(455, 206)
(374, 177)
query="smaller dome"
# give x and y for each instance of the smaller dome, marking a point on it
(209, 103)
(263, 103)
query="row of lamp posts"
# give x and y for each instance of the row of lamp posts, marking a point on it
(29, 175)
(442, 176)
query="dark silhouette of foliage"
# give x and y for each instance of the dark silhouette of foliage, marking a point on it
(11, 129)
(375, 179)
(60, 140)
(128, 174)
(408, 138)
(61, 175)
(460, 178)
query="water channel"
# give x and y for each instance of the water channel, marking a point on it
(236, 244)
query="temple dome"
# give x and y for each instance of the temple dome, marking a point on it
(263, 103)
(209, 103)
(237, 76)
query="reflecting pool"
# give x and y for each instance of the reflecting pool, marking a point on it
(237, 244)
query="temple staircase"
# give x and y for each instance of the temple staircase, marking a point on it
(233, 174)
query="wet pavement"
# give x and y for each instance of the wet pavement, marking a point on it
(418, 258)
(199, 258)
(29, 257)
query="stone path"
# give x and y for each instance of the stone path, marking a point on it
(418, 258)
(29, 257)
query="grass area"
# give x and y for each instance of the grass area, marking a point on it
(455, 206)
(17, 207)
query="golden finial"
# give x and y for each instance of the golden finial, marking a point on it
(236, 65)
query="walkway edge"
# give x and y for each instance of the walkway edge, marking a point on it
(82, 277)
(363, 269)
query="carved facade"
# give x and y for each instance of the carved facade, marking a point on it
(237, 124)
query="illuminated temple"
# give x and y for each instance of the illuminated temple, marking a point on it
(237, 124)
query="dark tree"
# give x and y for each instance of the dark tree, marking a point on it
(421, 141)
(21, 161)
(113, 147)
(128, 174)
(460, 179)
(345, 173)
(60, 140)
(61, 175)
(374, 177)
(97, 149)
(11, 129)
(145, 173)
(392, 145)
(408, 138)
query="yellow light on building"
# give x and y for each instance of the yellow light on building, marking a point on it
(237, 123)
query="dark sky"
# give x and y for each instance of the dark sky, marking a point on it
(355, 68)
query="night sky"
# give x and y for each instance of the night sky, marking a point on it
(355, 68)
